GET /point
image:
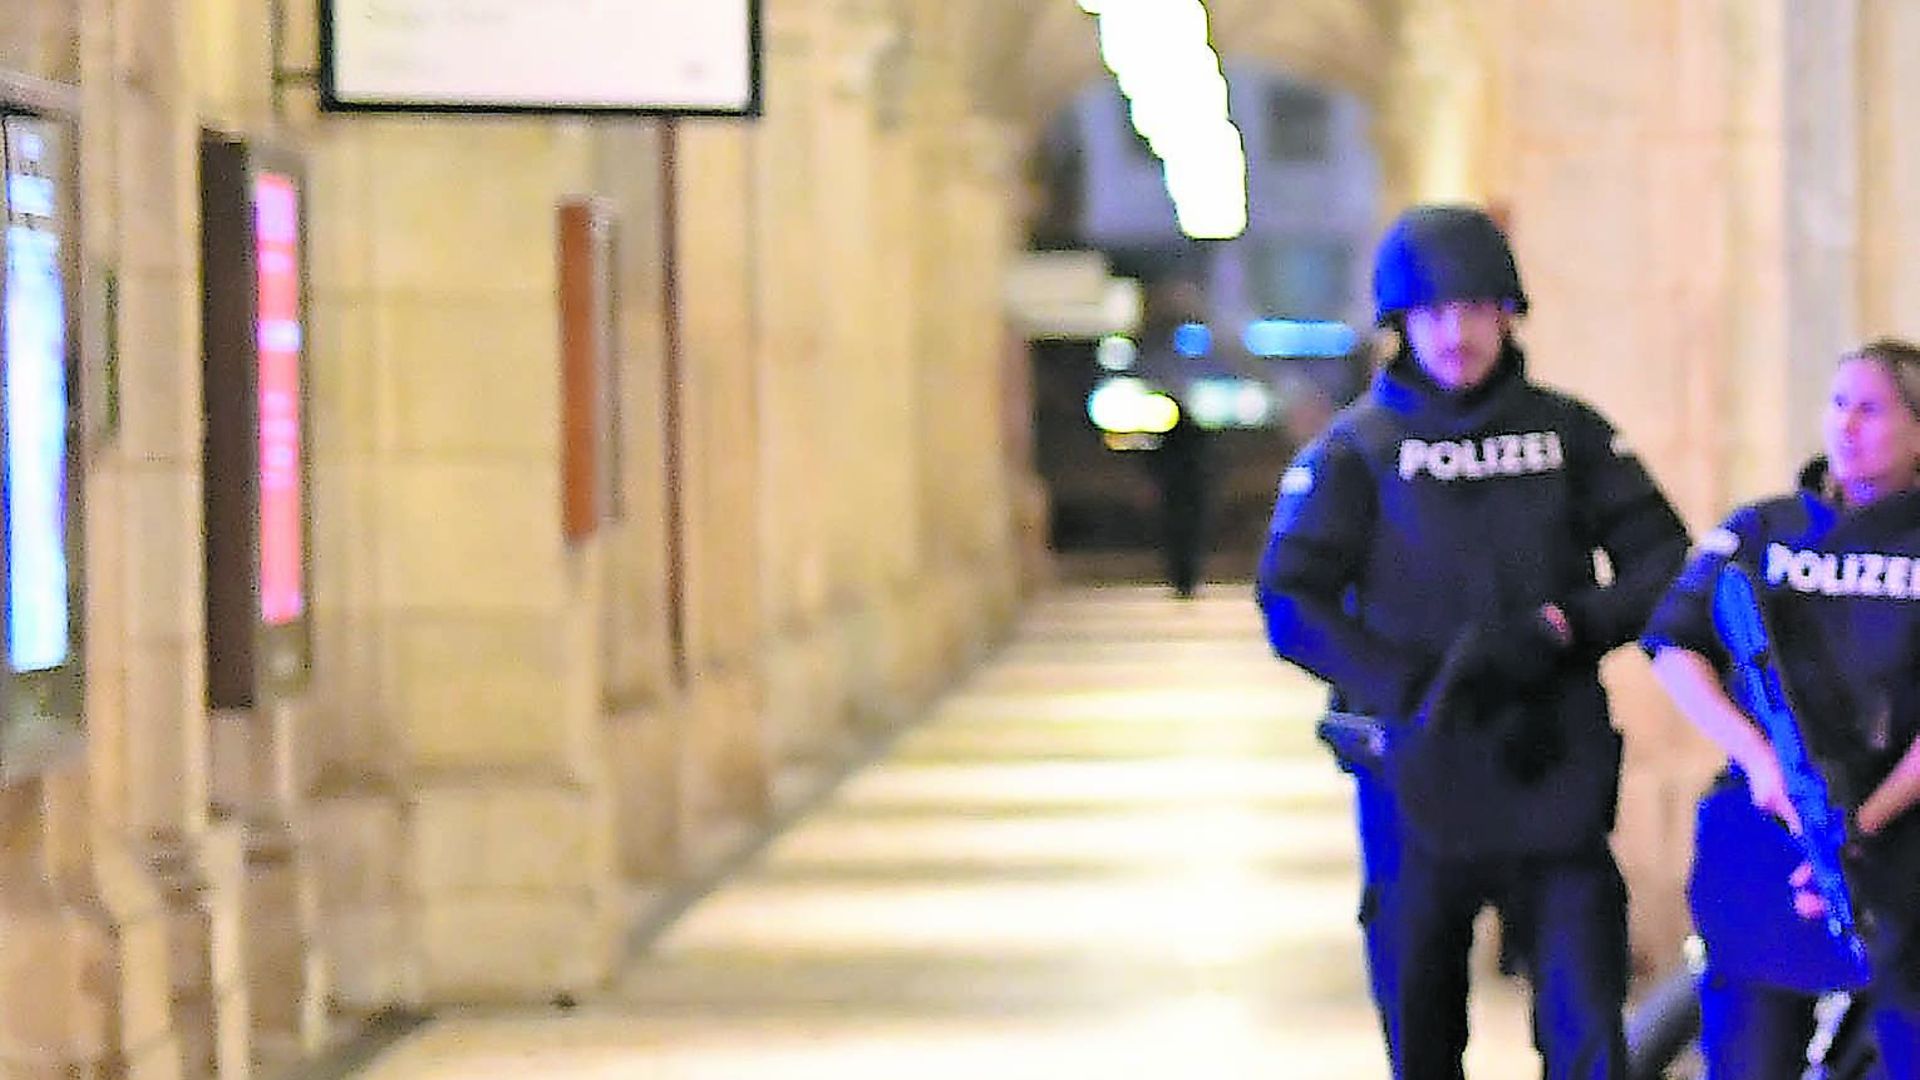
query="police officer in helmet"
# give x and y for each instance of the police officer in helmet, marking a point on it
(1432, 558)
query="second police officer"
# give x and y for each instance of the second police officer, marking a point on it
(1835, 565)
(1432, 558)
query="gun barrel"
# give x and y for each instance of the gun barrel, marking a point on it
(1742, 626)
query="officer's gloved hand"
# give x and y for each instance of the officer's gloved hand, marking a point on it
(1517, 654)
(1522, 655)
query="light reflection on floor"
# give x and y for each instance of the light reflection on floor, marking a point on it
(1112, 852)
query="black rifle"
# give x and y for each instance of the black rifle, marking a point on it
(1760, 690)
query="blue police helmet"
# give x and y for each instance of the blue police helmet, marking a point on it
(1433, 254)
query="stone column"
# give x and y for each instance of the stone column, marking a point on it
(1824, 216)
(800, 405)
(1888, 100)
(868, 501)
(84, 932)
(465, 819)
(156, 762)
(642, 654)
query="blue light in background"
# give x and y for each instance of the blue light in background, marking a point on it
(38, 632)
(1291, 337)
(1192, 340)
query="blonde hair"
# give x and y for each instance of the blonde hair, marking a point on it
(1900, 360)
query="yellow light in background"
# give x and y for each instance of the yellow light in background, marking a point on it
(1158, 414)
(1127, 405)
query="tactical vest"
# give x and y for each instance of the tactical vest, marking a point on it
(1458, 793)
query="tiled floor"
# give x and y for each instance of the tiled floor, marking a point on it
(1114, 851)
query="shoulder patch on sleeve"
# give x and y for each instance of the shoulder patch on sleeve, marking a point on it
(1297, 480)
(1719, 542)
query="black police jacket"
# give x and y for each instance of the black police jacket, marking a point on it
(1420, 512)
(1842, 594)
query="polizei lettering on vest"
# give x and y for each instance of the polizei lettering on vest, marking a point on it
(1480, 459)
(1851, 574)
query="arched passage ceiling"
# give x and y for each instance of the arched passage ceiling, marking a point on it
(1028, 57)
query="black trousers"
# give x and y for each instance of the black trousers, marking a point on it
(1418, 914)
(1753, 1032)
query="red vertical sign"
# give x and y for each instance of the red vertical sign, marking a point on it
(277, 252)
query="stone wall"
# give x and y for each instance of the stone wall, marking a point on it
(513, 744)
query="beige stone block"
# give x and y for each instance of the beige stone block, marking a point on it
(288, 769)
(478, 693)
(164, 579)
(211, 45)
(1003, 587)
(239, 760)
(438, 231)
(106, 663)
(233, 1035)
(868, 642)
(503, 946)
(340, 196)
(728, 774)
(316, 1021)
(160, 1060)
(481, 535)
(643, 744)
(151, 49)
(165, 738)
(300, 47)
(1579, 215)
(372, 954)
(349, 410)
(156, 214)
(352, 658)
(478, 375)
(1693, 102)
(638, 658)
(196, 1027)
(189, 945)
(357, 843)
(905, 613)
(349, 735)
(46, 1009)
(222, 859)
(159, 343)
(975, 612)
(145, 981)
(799, 715)
(65, 824)
(502, 837)
(276, 925)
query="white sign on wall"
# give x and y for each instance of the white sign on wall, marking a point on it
(698, 57)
